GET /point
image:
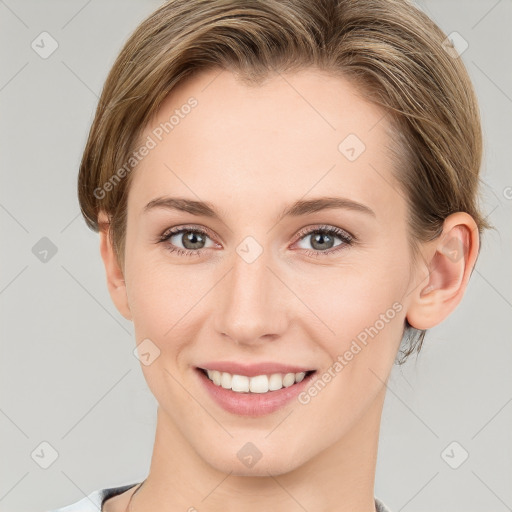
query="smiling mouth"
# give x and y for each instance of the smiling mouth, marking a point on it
(259, 384)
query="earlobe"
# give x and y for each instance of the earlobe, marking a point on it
(114, 274)
(449, 262)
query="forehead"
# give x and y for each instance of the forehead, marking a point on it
(303, 133)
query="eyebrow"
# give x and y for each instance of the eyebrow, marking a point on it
(299, 208)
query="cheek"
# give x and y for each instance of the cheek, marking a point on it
(362, 315)
(342, 301)
(367, 322)
(160, 293)
(162, 300)
(350, 299)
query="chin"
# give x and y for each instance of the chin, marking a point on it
(275, 462)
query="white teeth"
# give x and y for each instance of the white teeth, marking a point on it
(257, 384)
(216, 377)
(289, 380)
(240, 383)
(300, 376)
(225, 380)
(275, 382)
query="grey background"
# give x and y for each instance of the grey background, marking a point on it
(68, 374)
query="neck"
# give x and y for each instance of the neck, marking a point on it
(338, 479)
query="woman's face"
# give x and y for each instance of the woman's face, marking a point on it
(249, 282)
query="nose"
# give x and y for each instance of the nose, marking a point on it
(251, 302)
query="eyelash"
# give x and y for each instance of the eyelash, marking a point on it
(345, 237)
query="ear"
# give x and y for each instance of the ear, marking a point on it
(448, 263)
(114, 274)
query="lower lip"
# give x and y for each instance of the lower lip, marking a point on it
(252, 404)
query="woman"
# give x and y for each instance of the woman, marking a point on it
(285, 193)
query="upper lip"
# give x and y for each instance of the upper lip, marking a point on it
(252, 370)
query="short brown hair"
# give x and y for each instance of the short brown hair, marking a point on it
(390, 49)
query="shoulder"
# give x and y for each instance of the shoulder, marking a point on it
(94, 501)
(380, 507)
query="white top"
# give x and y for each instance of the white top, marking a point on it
(94, 501)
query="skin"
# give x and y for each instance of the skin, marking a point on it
(252, 151)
